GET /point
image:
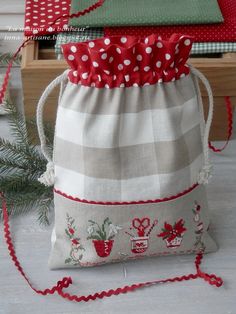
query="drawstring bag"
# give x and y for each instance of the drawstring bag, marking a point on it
(130, 159)
(130, 152)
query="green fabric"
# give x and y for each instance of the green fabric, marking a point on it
(84, 35)
(147, 12)
(213, 47)
(93, 33)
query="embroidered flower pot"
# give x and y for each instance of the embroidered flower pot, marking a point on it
(139, 244)
(131, 145)
(173, 244)
(103, 247)
(173, 234)
(130, 116)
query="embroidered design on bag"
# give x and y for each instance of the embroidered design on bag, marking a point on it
(103, 236)
(199, 244)
(76, 252)
(173, 235)
(140, 243)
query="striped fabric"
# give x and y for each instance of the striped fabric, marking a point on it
(213, 47)
(125, 139)
(128, 153)
(149, 12)
(93, 33)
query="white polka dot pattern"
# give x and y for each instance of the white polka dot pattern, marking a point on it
(40, 15)
(84, 58)
(128, 60)
(222, 32)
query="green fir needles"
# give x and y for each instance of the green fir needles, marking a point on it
(21, 164)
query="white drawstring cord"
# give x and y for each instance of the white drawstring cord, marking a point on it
(48, 177)
(205, 173)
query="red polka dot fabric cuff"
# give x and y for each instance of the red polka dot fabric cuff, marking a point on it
(123, 61)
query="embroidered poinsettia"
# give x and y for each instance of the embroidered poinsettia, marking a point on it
(170, 232)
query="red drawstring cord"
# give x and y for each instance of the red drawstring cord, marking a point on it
(229, 108)
(94, 6)
(67, 281)
(6, 77)
(43, 32)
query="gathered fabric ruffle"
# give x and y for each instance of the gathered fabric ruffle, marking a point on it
(125, 61)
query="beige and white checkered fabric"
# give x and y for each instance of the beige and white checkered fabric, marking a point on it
(128, 144)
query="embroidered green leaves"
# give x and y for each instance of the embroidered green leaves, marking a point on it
(102, 236)
(76, 252)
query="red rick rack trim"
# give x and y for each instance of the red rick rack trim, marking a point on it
(160, 200)
(43, 31)
(212, 279)
(125, 61)
(229, 108)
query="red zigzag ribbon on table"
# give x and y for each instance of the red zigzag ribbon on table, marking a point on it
(93, 7)
(229, 108)
(78, 14)
(212, 279)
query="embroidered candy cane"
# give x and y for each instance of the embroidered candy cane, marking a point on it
(212, 279)
(151, 228)
(131, 235)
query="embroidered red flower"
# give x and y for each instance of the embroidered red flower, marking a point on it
(170, 232)
(72, 231)
(75, 241)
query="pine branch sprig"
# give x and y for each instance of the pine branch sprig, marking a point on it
(21, 164)
(19, 203)
(27, 158)
(43, 210)
(5, 59)
(17, 125)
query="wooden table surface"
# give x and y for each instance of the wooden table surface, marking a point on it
(33, 246)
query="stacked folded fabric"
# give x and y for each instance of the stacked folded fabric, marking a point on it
(212, 23)
(221, 32)
(208, 38)
(148, 12)
(76, 36)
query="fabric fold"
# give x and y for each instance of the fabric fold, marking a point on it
(222, 32)
(148, 12)
(121, 61)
